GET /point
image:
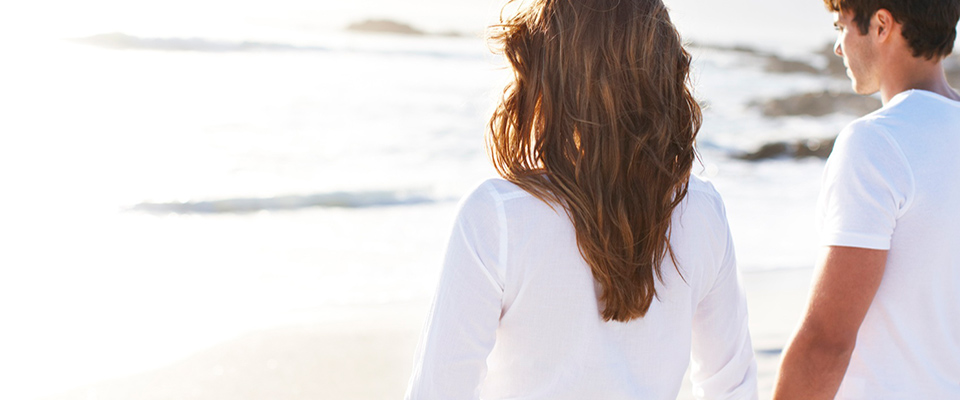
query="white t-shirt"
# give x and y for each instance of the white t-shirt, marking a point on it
(893, 183)
(516, 313)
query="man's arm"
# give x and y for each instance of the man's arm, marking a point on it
(817, 356)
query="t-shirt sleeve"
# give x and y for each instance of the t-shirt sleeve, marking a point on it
(867, 185)
(451, 359)
(723, 364)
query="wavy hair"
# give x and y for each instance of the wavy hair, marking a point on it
(600, 120)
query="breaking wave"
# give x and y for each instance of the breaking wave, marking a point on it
(122, 41)
(293, 202)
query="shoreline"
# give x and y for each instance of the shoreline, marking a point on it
(368, 353)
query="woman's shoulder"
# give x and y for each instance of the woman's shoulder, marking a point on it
(491, 193)
(700, 188)
(494, 189)
(702, 204)
(506, 200)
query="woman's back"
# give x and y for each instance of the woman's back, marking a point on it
(584, 300)
(517, 314)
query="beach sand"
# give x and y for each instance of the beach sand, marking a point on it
(367, 354)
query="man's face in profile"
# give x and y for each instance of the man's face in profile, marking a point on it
(859, 53)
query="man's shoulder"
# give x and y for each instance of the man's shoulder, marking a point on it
(907, 117)
(910, 108)
(868, 131)
(883, 119)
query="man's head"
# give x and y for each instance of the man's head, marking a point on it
(893, 41)
(929, 26)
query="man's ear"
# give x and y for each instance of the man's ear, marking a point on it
(885, 22)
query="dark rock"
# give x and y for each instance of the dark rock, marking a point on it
(952, 67)
(451, 34)
(735, 48)
(746, 49)
(818, 104)
(835, 65)
(953, 77)
(819, 148)
(774, 63)
(384, 26)
(767, 151)
(779, 65)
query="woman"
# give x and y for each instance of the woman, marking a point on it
(598, 264)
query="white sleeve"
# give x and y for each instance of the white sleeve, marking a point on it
(461, 329)
(867, 185)
(723, 363)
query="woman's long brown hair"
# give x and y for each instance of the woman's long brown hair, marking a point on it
(600, 120)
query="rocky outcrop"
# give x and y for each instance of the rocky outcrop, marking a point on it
(818, 104)
(776, 64)
(952, 67)
(823, 103)
(772, 62)
(819, 148)
(834, 65)
(384, 26)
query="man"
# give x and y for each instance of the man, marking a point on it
(883, 320)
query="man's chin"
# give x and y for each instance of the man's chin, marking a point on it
(866, 91)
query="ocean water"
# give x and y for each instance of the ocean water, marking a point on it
(157, 202)
(785, 26)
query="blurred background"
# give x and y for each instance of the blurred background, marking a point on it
(249, 200)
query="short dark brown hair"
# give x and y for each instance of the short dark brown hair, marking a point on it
(930, 26)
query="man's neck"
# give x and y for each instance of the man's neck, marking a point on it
(916, 73)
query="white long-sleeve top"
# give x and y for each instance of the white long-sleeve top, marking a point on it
(516, 314)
